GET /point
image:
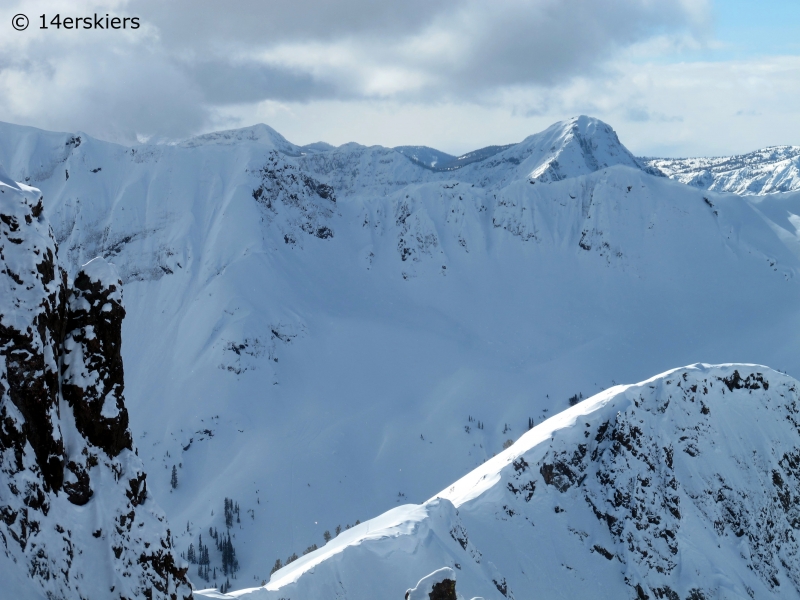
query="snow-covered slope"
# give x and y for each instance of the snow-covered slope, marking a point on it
(77, 518)
(569, 149)
(766, 171)
(686, 485)
(318, 335)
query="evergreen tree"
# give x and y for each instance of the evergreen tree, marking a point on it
(277, 566)
(174, 481)
(229, 510)
(326, 536)
(230, 564)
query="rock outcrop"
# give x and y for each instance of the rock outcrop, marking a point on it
(439, 585)
(75, 517)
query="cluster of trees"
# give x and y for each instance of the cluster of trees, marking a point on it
(573, 400)
(230, 564)
(279, 564)
(471, 419)
(224, 544)
(200, 558)
(231, 509)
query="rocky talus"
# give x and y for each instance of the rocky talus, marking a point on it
(76, 520)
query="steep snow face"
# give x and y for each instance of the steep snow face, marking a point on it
(774, 169)
(686, 485)
(77, 521)
(324, 336)
(569, 149)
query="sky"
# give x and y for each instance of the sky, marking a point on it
(673, 77)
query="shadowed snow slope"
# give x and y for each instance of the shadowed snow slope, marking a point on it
(686, 485)
(323, 336)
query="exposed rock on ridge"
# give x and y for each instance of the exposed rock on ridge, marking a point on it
(76, 519)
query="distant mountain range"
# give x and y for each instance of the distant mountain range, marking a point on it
(766, 171)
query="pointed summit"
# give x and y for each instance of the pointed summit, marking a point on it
(571, 148)
(576, 147)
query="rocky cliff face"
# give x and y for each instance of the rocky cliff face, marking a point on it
(75, 517)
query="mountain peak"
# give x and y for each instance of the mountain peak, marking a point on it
(578, 146)
(571, 148)
(258, 133)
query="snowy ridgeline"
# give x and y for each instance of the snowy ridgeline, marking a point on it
(766, 171)
(314, 334)
(684, 486)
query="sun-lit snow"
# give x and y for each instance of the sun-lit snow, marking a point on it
(682, 486)
(766, 171)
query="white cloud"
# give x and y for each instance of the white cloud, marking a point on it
(195, 63)
(710, 108)
(456, 75)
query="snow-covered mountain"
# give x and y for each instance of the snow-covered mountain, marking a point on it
(766, 171)
(317, 334)
(77, 518)
(686, 485)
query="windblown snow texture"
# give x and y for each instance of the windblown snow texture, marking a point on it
(77, 519)
(320, 333)
(684, 486)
